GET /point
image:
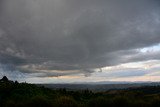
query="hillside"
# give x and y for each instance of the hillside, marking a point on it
(99, 87)
(14, 94)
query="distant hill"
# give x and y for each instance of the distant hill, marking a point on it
(99, 87)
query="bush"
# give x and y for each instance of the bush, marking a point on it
(10, 103)
(39, 101)
(155, 102)
(65, 101)
(120, 101)
(99, 102)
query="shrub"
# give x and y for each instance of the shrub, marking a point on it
(99, 102)
(65, 101)
(155, 102)
(120, 101)
(39, 101)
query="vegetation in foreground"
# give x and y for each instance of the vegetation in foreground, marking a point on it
(14, 94)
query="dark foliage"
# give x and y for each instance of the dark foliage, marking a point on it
(4, 79)
(14, 94)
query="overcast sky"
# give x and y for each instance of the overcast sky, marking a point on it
(56, 41)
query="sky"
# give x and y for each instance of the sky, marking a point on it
(78, 41)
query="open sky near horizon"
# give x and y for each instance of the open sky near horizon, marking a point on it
(66, 41)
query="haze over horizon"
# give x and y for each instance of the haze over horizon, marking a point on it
(65, 41)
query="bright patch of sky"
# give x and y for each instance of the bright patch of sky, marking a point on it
(154, 48)
(128, 72)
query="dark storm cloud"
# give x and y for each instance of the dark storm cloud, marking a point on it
(76, 34)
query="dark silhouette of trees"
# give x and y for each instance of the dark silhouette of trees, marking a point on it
(4, 79)
(14, 94)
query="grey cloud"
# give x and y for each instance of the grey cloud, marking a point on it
(76, 35)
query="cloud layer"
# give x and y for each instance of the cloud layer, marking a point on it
(59, 37)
